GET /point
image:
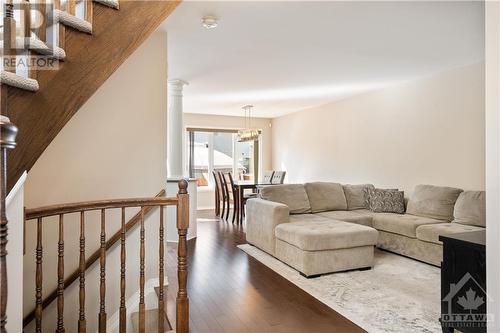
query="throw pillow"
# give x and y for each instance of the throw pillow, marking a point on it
(355, 196)
(386, 201)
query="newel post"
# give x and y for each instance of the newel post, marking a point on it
(182, 311)
(8, 134)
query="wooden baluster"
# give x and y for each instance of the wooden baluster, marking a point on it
(9, 51)
(142, 305)
(123, 309)
(39, 277)
(41, 27)
(89, 11)
(26, 7)
(102, 311)
(71, 7)
(9, 38)
(60, 277)
(82, 323)
(7, 141)
(161, 301)
(61, 36)
(182, 303)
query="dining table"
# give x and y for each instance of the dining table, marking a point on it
(241, 186)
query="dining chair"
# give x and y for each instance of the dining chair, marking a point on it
(239, 207)
(236, 197)
(228, 194)
(222, 194)
(267, 176)
(278, 177)
(219, 196)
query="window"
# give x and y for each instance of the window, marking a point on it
(246, 160)
(219, 150)
(201, 160)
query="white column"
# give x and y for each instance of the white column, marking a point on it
(175, 159)
(175, 129)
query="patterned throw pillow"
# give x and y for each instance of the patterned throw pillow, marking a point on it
(385, 201)
(367, 192)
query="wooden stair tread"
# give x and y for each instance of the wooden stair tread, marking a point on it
(151, 321)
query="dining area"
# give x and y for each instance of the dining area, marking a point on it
(232, 194)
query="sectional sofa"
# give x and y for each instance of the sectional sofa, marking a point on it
(320, 228)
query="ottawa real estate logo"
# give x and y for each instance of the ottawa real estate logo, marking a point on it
(465, 304)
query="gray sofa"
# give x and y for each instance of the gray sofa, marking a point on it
(320, 228)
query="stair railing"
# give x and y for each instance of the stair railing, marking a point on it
(182, 309)
(181, 202)
(7, 141)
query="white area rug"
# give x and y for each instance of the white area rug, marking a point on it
(398, 295)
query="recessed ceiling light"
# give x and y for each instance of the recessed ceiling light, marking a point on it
(209, 21)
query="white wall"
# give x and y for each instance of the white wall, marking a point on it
(493, 160)
(15, 215)
(426, 131)
(114, 147)
(206, 195)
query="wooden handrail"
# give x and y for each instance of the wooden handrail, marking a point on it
(148, 203)
(54, 210)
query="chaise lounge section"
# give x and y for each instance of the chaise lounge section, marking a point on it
(320, 228)
(324, 246)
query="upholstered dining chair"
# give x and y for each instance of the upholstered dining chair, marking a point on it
(219, 195)
(278, 177)
(267, 176)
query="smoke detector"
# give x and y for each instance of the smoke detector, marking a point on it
(209, 21)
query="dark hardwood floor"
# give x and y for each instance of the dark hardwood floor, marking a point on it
(230, 291)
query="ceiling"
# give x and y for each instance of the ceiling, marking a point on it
(286, 56)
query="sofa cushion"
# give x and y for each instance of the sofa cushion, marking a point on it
(431, 232)
(386, 201)
(360, 216)
(325, 196)
(401, 224)
(307, 218)
(436, 202)
(325, 235)
(355, 196)
(292, 195)
(470, 208)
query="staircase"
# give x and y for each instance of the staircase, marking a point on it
(152, 317)
(56, 54)
(84, 42)
(145, 320)
(142, 320)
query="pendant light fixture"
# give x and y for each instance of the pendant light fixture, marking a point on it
(249, 133)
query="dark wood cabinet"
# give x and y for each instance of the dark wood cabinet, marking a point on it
(463, 282)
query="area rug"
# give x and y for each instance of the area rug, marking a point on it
(398, 295)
